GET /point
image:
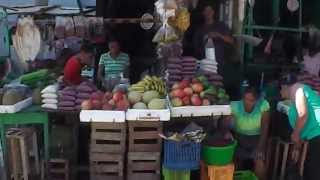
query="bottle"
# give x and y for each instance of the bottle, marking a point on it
(210, 50)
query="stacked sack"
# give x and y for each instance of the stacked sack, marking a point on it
(84, 91)
(67, 99)
(214, 78)
(174, 68)
(209, 66)
(71, 97)
(189, 67)
(49, 97)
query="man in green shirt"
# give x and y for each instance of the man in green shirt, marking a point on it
(113, 66)
(304, 117)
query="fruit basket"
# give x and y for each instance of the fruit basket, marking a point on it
(102, 116)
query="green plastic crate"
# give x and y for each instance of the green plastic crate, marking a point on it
(175, 175)
(244, 175)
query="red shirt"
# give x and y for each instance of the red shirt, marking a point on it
(72, 71)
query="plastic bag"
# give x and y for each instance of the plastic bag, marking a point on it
(81, 26)
(60, 27)
(165, 34)
(69, 25)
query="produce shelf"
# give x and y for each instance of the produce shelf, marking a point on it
(16, 107)
(198, 111)
(102, 116)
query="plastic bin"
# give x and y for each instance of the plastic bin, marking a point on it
(219, 156)
(244, 175)
(175, 174)
(221, 172)
(181, 155)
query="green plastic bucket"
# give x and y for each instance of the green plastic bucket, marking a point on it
(218, 156)
(244, 175)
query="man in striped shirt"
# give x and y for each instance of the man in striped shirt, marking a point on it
(113, 65)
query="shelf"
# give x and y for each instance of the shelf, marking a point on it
(271, 28)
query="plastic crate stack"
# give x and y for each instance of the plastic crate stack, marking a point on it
(144, 151)
(180, 158)
(107, 150)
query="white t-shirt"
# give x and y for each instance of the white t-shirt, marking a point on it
(312, 64)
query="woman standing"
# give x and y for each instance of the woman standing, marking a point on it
(251, 121)
(304, 117)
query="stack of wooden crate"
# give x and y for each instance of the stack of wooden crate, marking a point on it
(107, 150)
(144, 151)
(23, 153)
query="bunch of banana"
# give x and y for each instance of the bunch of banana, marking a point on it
(149, 83)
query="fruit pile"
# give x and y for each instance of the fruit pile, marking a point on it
(117, 101)
(148, 94)
(146, 100)
(149, 84)
(198, 92)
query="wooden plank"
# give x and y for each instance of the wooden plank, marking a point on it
(108, 125)
(108, 157)
(145, 135)
(105, 177)
(132, 156)
(144, 166)
(107, 136)
(144, 147)
(133, 124)
(105, 168)
(144, 176)
(107, 148)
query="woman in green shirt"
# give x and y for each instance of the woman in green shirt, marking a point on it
(304, 117)
(251, 123)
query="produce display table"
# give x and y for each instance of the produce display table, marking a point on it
(200, 111)
(32, 115)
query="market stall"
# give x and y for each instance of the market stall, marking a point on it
(171, 123)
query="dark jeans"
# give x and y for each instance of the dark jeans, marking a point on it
(312, 163)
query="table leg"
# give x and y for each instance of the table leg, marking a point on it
(46, 148)
(4, 149)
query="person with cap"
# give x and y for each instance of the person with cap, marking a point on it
(304, 117)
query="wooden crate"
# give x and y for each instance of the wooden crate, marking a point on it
(106, 166)
(144, 136)
(59, 169)
(108, 137)
(143, 165)
(23, 153)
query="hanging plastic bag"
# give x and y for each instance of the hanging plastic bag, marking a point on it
(60, 27)
(69, 25)
(181, 20)
(80, 26)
